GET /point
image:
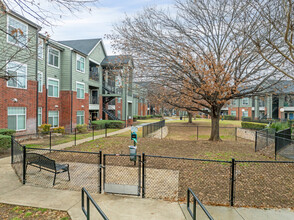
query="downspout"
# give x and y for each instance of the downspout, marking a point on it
(37, 96)
(71, 93)
(126, 101)
(46, 86)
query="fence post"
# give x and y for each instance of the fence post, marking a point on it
(11, 146)
(255, 146)
(93, 131)
(236, 130)
(143, 175)
(161, 132)
(105, 130)
(100, 171)
(233, 166)
(75, 136)
(276, 145)
(50, 137)
(197, 132)
(24, 165)
(266, 137)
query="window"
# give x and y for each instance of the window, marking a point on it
(245, 113)
(80, 63)
(119, 114)
(80, 90)
(16, 118)
(80, 117)
(18, 32)
(118, 100)
(245, 101)
(39, 116)
(40, 81)
(53, 88)
(234, 102)
(53, 118)
(53, 57)
(19, 73)
(233, 113)
(40, 48)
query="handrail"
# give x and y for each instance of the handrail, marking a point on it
(89, 198)
(195, 199)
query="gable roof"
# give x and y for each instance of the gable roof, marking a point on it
(116, 60)
(84, 46)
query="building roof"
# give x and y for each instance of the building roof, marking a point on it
(84, 46)
(20, 17)
(116, 60)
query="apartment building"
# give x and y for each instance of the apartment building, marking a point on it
(61, 83)
(274, 103)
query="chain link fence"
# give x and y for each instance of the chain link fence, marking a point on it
(264, 138)
(216, 182)
(150, 128)
(192, 132)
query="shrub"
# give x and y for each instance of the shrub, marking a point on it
(148, 116)
(100, 124)
(143, 117)
(229, 117)
(135, 118)
(158, 116)
(253, 125)
(45, 128)
(59, 129)
(279, 126)
(6, 131)
(246, 119)
(5, 142)
(198, 116)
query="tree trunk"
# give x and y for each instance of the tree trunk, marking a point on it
(214, 135)
(190, 117)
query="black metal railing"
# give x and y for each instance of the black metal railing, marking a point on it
(150, 128)
(264, 138)
(89, 199)
(195, 201)
(283, 139)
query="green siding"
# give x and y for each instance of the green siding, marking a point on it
(98, 53)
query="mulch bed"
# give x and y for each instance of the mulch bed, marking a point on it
(23, 212)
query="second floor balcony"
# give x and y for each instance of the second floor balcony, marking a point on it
(94, 74)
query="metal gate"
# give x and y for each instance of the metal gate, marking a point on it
(121, 175)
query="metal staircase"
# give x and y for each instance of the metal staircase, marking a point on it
(106, 111)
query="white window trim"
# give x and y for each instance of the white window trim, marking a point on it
(41, 115)
(57, 67)
(81, 116)
(77, 89)
(243, 101)
(77, 58)
(42, 48)
(17, 119)
(54, 79)
(7, 28)
(18, 63)
(53, 119)
(39, 72)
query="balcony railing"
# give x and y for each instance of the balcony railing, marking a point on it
(94, 100)
(94, 74)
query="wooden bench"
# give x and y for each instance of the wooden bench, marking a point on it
(44, 163)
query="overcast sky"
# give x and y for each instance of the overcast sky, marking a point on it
(99, 22)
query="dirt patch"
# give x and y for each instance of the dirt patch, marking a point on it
(23, 212)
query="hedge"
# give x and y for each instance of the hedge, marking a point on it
(253, 125)
(229, 117)
(6, 131)
(109, 123)
(246, 119)
(5, 142)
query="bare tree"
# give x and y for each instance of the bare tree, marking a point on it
(198, 56)
(273, 34)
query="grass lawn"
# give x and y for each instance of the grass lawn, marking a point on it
(205, 121)
(13, 212)
(44, 141)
